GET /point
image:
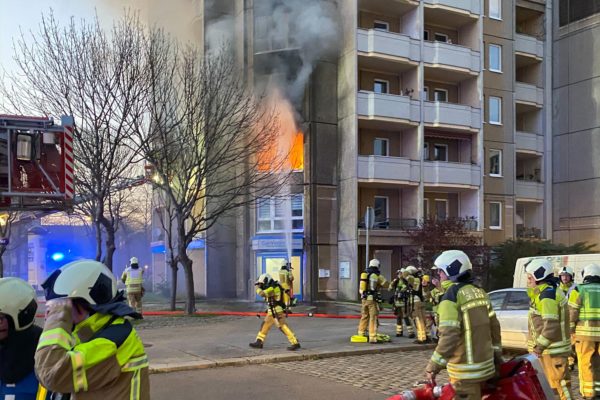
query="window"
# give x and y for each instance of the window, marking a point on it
(381, 210)
(380, 86)
(496, 9)
(440, 37)
(495, 162)
(497, 300)
(440, 95)
(381, 26)
(495, 61)
(575, 10)
(426, 93)
(440, 152)
(425, 35)
(517, 300)
(272, 215)
(380, 147)
(495, 215)
(495, 110)
(441, 209)
(426, 151)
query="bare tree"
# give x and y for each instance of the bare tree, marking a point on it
(212, 144)
(99, 78)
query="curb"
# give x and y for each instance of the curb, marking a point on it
(160, 368)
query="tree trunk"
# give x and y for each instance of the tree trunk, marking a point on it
(173, 284)
(190, 301)
(110, 245)
(98, 239)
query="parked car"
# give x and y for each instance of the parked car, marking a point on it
(512, 306)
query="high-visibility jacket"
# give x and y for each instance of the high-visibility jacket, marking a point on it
(134, 279)
(273, 296)
(469, 334)
(102, 358)
(371, 282)
(565, 287)
(548, 321)
(398, 287)
(286, 278)
(584, 308)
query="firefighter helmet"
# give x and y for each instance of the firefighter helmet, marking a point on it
(17, 300)
(264, 279)
(539, 268)
(454, 263)
(374, 263)
(566, 270)
(591, 270)
(133, 260)
(411, 270)
(82, 279)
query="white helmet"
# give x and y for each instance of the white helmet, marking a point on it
(133, 260)
(566, 270)
(539, 268)
(454, 263)
(17, 300)
(591, 270)
(411, 270)
(264, 279)
(82, 279)
(374, 263)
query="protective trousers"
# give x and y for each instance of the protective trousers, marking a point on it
(418, 316)
(283, 327)
(556, 369)
(135, 301)
(399, 312)
(589, 370)
(368, 316)
(466, 390)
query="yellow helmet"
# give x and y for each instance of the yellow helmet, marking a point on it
(17, 300)
(426, 278)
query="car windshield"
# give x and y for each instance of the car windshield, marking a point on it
(517, 300)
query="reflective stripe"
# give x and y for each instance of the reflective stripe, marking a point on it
(56, 336)
(436, 358)
(454, 324)
(481, 370)
(473, 304)
(135, 386)
(550, 316)
(79, 378)
(543, 341)
(565, 389)
(41, 393)
(135, 364)
(468, 339)
(574, 305)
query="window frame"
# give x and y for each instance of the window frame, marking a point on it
(489, 108)
(439, 90)
(490, 67)
(447, 208)
(425, 208)
(387, 85)
(440, 34)
(387, 146)
(387, 208)
(272, 219)
(499, 152)
(499, 226)
(426, 152)
(440, 145)
(497, 17)
(378, 21)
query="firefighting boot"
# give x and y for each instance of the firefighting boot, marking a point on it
(257, 345)
(294, 347)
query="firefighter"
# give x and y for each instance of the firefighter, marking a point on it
(566, 279)
(18, 340)
(469, 345)
(88, 349)
(584, 308)
(417, 308)
(133, 279)
(286, 280)
(398, 301)
(272, 292)
(427, 289)
(549, 325)
(371, 282)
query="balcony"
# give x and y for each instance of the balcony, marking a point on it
(441, 54)
(530, 142)
(529, 46)
(524, 232)
(529, 190)
(380, 44)
(388, 169)
(441, 173)
(449, 115)
(403, 224)
(464, 6)
(529, 94)
(389, 107)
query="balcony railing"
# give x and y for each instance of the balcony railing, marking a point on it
(393, 223)
(374, 42)
(529, 45)
(527, 93)
(379, 105)
(439, 113)
(527, 232)
(452, 55)
(470, 6)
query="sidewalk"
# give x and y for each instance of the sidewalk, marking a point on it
(186, 343)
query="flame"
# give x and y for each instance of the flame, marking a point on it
(290, 143)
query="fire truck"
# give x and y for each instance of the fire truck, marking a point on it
(36, 163)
